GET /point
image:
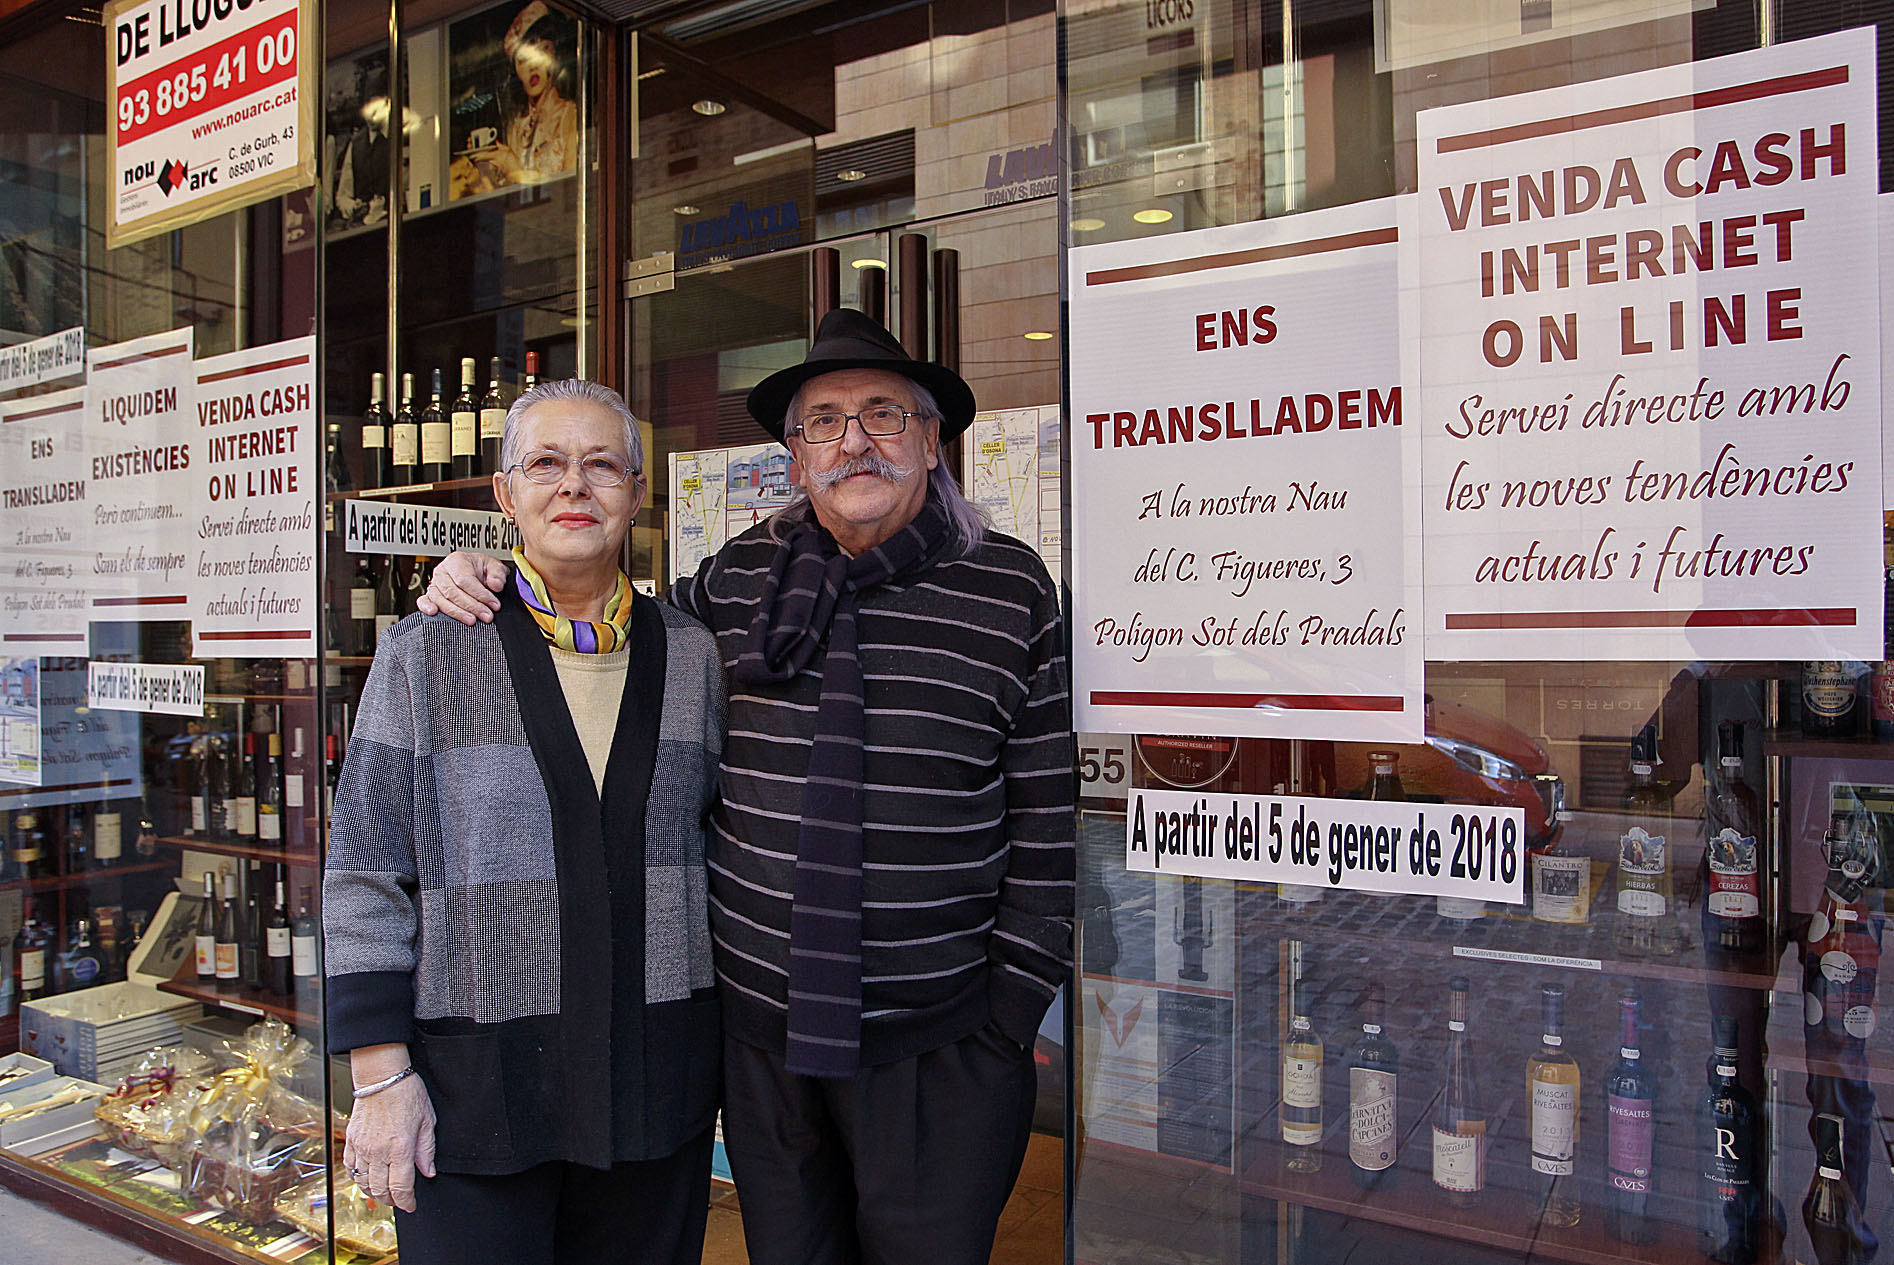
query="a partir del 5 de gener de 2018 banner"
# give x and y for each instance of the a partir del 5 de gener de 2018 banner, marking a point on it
(213, 106)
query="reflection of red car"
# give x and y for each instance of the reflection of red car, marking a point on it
(1470, 758)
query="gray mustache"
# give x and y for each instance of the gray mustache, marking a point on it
(868, 463)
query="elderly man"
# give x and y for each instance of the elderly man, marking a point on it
(892, 856)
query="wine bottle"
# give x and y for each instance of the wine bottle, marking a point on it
(294, 814)
(1552, 1083)
(277, 949)
(532, 372)
(227, 937)
(32, 945)
(331, 772)
(1630, 1134)
(243, 792)
(1384, 782)
(199, 762)
(1831, 695)
(362, 606)
(387, 599)
(1830, 1211)
(80, 966)
(1728, 1144)
(404, 439)
(1644, 879)
(1373, 1115)
(375, 437)
(223, 807)
(492, 421)
(1732, 908)
(78, 840)
(269, 792)
(207, 933)
(302, 938)
(108, 837)
(250, 907)
(414, 584)
(464, 424)
(1302, 1086)
(437, 447)
(26, 847)
(1459, 1119)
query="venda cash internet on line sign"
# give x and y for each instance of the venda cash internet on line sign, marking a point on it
(1343, 844)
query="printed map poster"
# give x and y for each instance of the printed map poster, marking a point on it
(1650, 348)
(45, 544)
(19, 720)
(213, 107)
(717, 493)
(1012, 459)
(1243, 552)
(253, 571)
(139, 430)
(85, 755)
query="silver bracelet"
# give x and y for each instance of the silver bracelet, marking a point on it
(369, 1091)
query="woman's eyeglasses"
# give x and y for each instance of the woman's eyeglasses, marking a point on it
(598, 469)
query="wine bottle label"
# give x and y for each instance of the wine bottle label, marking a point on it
(1554, 1127)
(302, 955)
(226, 961)
(207, 955)
(82, 969)
(32, 969)
(374, 438)
(436, 443)
(1628, 1143)
(465, 428)
(269, 825)
(1301, 1083)
(492, 423)
(1839, 966)
(1735, 891)
(246, 815)
(293, 790)
(108, 836)
(1299, 893)
(1458, 1161)
(1461, 908)
(1730, 1163)
(361, 603)
(1641, 870)
(1858, 1022)
(1828, 689)
(1561, 888)
(1371, 1118)
(407, 444)
(384, 622)
(200, 814)
(276, 942)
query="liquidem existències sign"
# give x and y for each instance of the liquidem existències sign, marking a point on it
(213, 107)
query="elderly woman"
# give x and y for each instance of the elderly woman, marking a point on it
(518, 954)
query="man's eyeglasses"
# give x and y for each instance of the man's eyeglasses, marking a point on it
(598, 469)
(879, 421)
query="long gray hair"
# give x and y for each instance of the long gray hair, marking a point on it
(967, 523)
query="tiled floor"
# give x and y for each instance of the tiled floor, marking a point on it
(1032, 1230)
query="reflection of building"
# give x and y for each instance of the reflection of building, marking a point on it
(19, 684)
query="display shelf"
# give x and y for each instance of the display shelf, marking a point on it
(41, 1180)
(413, 489)
(1791, 744)
(252, 1001)
(302, 858)
(84, 878)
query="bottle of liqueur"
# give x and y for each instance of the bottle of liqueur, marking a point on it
(278, 968)
(1373, 1125)
(1552, 1083)
(26, 848)
(1830, 1211)
(1729, 1140)
(1459, 1119)
(206, 943)
(404, 439)
(32, 946)
(229, 936)
(269, 791)
(463, 424)
(1302, 1086)
(1732, 908)
(1831, 694)
(1630, 1134)
(437, 446)
(243, 792)
(492, 421)
(1644, 877)
(362, 606)
(376, 437)
(108, 837)
(1561, 884)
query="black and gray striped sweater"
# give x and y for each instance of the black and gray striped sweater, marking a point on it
(968, 820)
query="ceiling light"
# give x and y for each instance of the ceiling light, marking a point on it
(851, 175)
(1087, 224)
(1152, 215)
(708, 108)
(685, 208)
(1037, 335)
(866, 263)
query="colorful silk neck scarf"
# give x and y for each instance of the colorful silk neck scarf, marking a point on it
(585, 636)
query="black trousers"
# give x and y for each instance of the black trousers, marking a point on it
(904, 1162)
(647, 1213)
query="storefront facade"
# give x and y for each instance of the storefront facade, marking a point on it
(1458, 432)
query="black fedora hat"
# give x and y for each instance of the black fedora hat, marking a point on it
(846, 339)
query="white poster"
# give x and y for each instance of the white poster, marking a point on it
(1350, 845)
(45, 558)
(431, 531)
(1651, 364)
(140, 427)
(1246, 531)
(47, 359)
(168, 689)
(253, 571)
(717, 493)
(213, 106)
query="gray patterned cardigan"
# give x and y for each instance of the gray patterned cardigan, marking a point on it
(545, 956)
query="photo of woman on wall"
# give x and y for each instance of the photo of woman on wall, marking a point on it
(514, 117)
